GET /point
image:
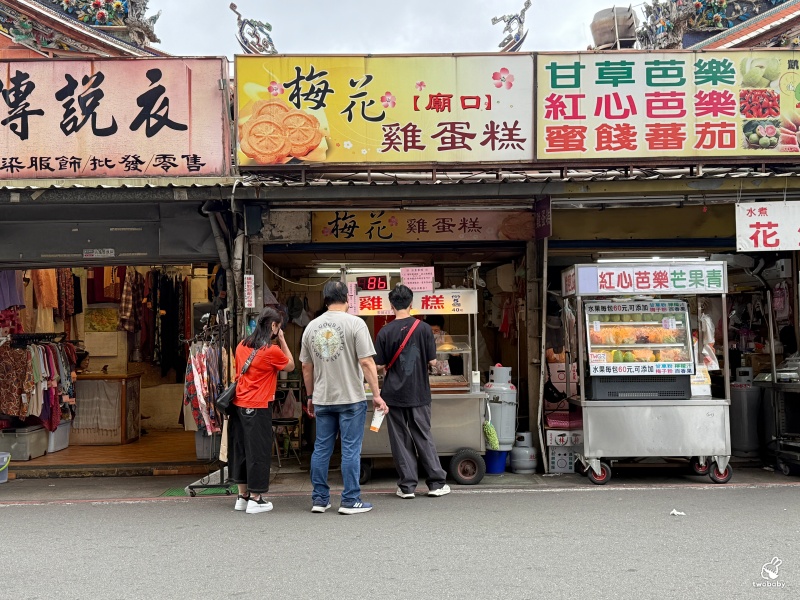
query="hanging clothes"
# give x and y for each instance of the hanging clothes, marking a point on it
(12, 289)
(130, 308)
(45, 288)
(201, 385)
(105, 284)
(66, 294)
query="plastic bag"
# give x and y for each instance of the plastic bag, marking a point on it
(709, 356)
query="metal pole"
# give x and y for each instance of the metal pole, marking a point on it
(725, 355)
(771, 338)
(581, 377)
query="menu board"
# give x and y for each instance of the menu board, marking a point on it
(639, 338)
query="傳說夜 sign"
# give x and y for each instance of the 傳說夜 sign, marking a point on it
(162, 117)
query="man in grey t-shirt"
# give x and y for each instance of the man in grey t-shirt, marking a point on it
(337, 354)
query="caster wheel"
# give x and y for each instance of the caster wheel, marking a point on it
(697, 468)
(718, 476)
(228, 492)
(580, 469)
(603, 478)
(785, 468)
(192, 493)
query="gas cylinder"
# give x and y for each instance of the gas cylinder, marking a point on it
(523, 455)
(502, 404)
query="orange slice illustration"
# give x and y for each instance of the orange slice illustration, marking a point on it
(303, 131)
(264, 140)
(270, 108)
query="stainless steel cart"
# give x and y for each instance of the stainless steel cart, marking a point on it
(457, 413)
(457, 430)
(650, 424)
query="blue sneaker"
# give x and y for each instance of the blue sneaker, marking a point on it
(355, 508)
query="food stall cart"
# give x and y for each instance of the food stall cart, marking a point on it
(635, 362)
(457, 410)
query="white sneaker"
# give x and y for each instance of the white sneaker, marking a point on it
(442, 491)
(405, 495)
(241, 502)
(320, 508)
(258, 506)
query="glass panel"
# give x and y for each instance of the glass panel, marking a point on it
(639, 338)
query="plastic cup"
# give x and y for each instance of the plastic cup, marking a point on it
(377, 419)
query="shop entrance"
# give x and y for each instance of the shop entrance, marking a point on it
(95, 361)
(294, 278)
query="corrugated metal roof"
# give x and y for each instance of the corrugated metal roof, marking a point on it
(394, 179)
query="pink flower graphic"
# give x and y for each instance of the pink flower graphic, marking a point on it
(388, 100)
(393, 221)
(326, 231)
(420, 86)
(503, 78)
(276, 88)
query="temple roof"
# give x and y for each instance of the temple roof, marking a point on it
(782, 15)
(80, 27)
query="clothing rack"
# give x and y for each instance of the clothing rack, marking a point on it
(216, 334)
(25, 339)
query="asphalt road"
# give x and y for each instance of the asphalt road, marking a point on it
(597, 543)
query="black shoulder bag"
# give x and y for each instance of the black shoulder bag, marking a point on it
(225, 400)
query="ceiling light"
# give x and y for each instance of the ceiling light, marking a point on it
(652, 259)
(360, 271)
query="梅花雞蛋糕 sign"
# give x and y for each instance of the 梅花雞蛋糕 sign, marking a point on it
(384, 109)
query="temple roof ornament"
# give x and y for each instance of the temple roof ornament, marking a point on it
(253, 36)
(515, 28)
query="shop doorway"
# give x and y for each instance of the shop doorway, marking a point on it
(114, 342)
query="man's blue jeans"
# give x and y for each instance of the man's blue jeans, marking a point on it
(348, 420)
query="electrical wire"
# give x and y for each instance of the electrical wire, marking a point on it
(308, 285)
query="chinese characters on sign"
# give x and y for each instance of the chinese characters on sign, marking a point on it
(346, 109)
(652, 278)
(716, 104)
(405, 226)
(639, 338)
(440, 302)
(418, 279)
(765, 226)
(113, 118)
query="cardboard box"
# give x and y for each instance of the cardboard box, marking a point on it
(562, 459)
(760, 363)
(561, 437)
(558, 375)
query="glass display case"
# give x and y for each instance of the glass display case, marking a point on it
(452, 346)
(639, 338)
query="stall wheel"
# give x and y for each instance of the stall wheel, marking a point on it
(581, 469)
(467, 467)
(699, 469)
(785, 468)
(227, 491)
(366, 471)
(718, 476)
(192, 493)
(603, 478)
